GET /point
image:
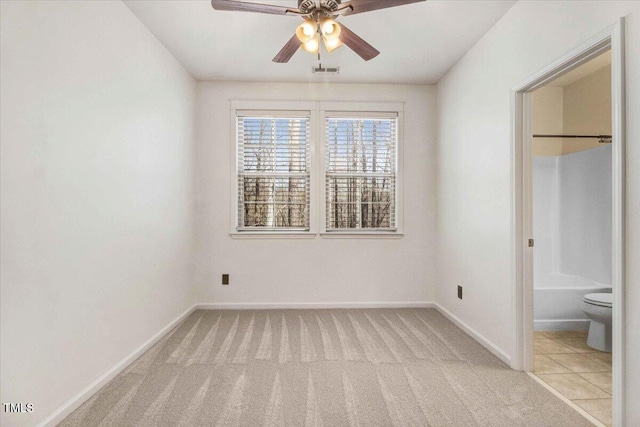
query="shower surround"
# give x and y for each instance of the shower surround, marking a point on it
(572, 230)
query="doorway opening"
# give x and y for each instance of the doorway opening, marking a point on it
(568, 226)
(572, 205)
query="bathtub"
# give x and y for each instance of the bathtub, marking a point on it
(556, 301)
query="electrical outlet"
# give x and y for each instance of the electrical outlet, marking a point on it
(225, 279)
(460, 292)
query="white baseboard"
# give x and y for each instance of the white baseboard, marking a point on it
(85, 394)
(311, 305)
(562, 325)
(494, 349)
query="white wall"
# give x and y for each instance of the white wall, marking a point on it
(97, 151)
(473, 205)
(318, 270)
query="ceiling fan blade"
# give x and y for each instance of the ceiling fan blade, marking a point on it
(252, 7)
(360, 6)
(288, 50)
(357, 44)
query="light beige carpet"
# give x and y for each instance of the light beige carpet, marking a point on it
(377, 367)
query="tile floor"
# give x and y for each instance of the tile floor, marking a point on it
(582, 374)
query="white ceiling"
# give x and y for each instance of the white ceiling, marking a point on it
(418, 42)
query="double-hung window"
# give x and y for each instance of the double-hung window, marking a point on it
(273, 170)
(360, 171)
(304, 168)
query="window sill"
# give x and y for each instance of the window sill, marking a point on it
(362, 235)
(267, 235)
(251, 235)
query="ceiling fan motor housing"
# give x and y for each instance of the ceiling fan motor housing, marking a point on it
(308, 7)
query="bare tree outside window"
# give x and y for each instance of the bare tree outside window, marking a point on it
(360, 173)
(273, 173)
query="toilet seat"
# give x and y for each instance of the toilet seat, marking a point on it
(602, 300)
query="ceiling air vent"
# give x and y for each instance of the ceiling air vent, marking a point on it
(325, 70)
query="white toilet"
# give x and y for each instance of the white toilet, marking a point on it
(597, 307)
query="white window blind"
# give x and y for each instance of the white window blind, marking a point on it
(360, 172)
(273, 170)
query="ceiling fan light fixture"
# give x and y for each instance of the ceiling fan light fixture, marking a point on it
(307, 31)
(332, 44)
(330, 29)
(319, 16)
(313, 45)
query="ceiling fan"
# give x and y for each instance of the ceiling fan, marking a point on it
(319, 23)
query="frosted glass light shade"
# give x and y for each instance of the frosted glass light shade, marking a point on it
(313, 45)
(332, 44)
(330, 29)
(307, 31)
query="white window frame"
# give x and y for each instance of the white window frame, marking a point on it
(317, 212)
(273, 108)
(364, 110)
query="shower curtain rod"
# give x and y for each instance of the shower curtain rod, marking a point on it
(603, 139)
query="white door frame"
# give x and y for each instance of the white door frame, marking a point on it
(521, 208)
